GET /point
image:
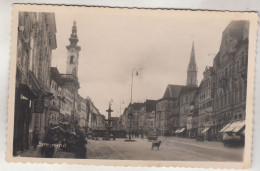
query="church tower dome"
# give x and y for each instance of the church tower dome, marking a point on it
(73, 52)
(192, 69)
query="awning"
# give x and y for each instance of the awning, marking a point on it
(225, 127)
(205, 130)
(239, 127)
(183, 129)
(177, 130)
(233, 126)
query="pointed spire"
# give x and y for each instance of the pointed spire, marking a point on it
(73, 37)
(192, 69)
(192, 63)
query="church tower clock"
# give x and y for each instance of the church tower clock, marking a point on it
(73, 52)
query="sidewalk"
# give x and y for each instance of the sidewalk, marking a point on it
(187, 140)
(210, 144)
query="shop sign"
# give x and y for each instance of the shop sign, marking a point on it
(38, 106)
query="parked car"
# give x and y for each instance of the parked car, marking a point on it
(232, 139)
(152, 135)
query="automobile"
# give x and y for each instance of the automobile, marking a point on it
(152, 135)
(98, 134)
(232, 139)
(118, 134)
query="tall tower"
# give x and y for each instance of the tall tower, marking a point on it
(73, 52)
(192, 69)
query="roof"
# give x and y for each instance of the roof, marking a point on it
(136, 106)
(234, 35)
(55, 75)
(236, 29)
(187, 89)
(173, 91)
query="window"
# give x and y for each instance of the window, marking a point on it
(72, 59)
(210, 103)
(237, 66)
(240, 116)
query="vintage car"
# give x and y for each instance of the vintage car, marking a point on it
(152, 135)
(233, 139)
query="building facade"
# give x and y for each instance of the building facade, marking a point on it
(230, 67)
(147, 116)
(206, 102)
(35, 42)
(167, 111)
(220, 99)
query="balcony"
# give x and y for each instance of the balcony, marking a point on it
(69, 78)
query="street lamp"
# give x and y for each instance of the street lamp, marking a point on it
(130, 117)
(130, 114)
(136, 70)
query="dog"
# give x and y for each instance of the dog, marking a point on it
(156, 144)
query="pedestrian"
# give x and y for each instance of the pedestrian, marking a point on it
(35, 138)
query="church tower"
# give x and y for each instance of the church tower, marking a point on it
(192, 69)
(73, 52)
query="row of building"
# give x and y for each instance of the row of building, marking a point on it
(43, 96)
(194, 110)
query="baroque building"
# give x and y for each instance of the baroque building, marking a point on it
(70, 79)
(35, 42)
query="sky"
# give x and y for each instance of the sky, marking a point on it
(116, 41)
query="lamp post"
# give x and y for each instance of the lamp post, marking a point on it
(130, 116)
(134, 69)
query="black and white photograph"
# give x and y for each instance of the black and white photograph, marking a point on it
(121, 84)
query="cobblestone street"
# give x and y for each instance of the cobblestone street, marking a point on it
(172, 148)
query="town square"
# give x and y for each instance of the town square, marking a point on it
(127, 87)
